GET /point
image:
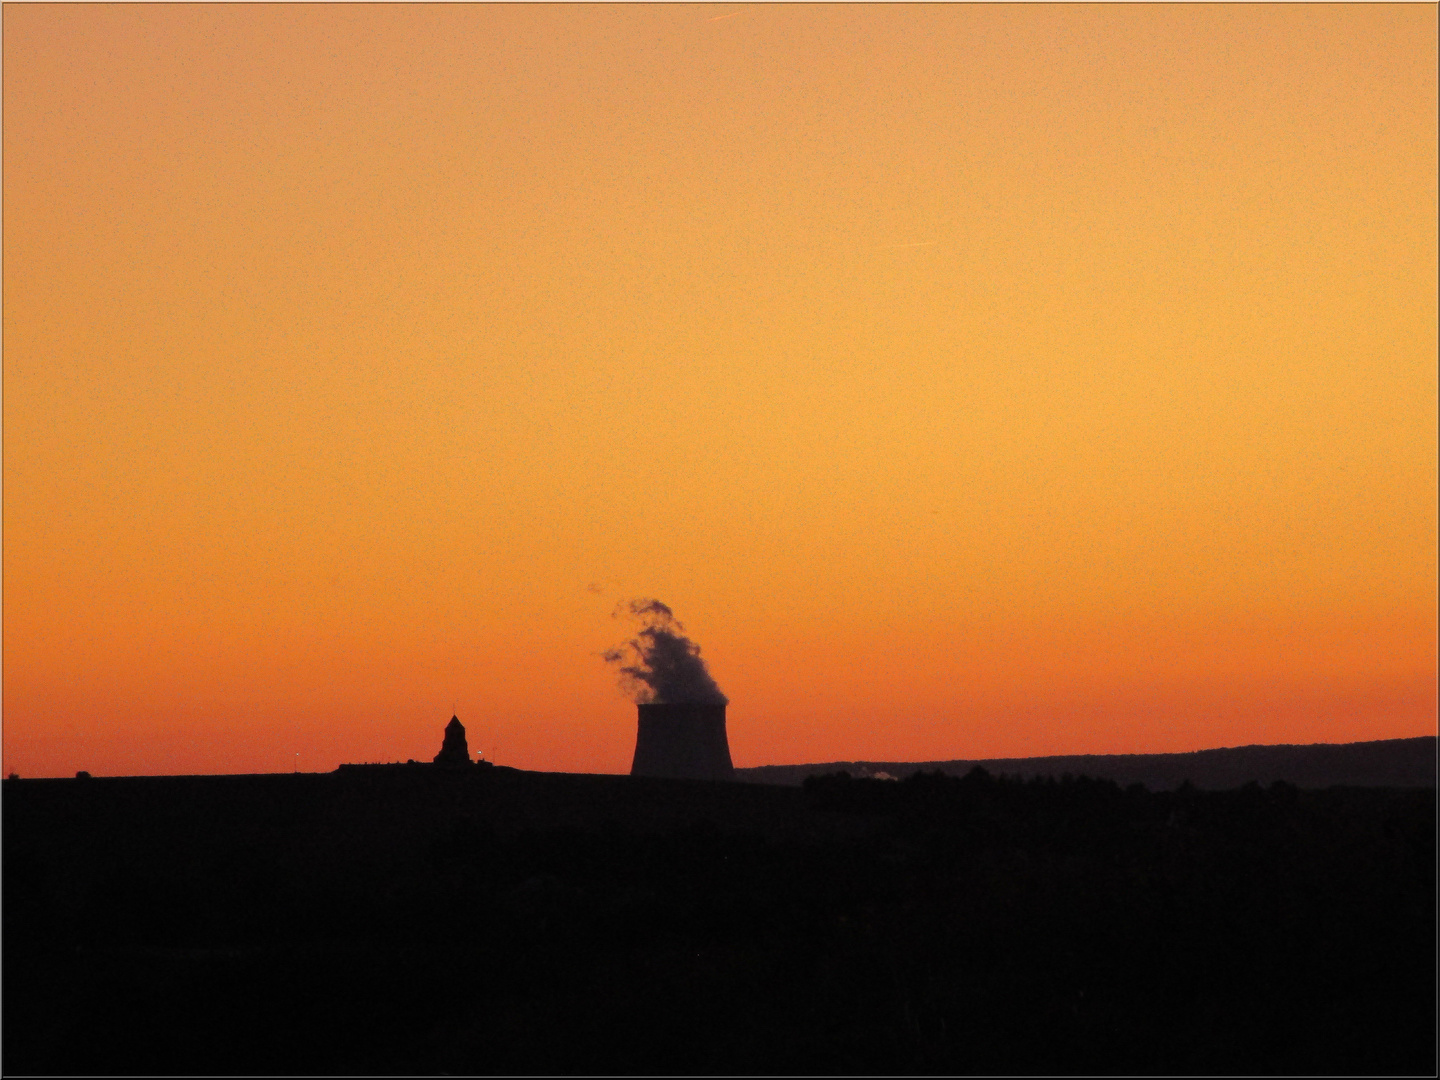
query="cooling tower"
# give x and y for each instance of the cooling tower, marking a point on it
(683, 741)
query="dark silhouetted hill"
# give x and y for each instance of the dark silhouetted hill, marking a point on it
(1383, 763)
(414, 919)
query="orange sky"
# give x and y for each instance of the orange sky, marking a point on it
(971, 380)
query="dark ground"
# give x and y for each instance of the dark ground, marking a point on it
(408, 919)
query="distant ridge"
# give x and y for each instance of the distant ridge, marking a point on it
(1383, 763)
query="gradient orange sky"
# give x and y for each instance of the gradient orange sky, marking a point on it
(971, 380)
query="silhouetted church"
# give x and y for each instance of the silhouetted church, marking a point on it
(454, 753)
(454, 750)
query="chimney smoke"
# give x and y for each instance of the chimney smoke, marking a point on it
(664, 665)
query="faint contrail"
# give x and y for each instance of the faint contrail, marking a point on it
(732, 14)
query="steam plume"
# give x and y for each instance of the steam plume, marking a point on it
(660, 665)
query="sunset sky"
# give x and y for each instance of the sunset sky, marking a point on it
(972, 381)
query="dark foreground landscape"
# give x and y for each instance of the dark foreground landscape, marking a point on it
(412, 919)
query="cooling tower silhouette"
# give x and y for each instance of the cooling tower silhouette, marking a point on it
(682, 741)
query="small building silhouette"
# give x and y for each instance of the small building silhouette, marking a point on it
(454, 750)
